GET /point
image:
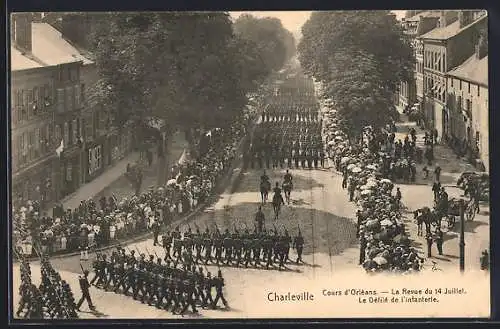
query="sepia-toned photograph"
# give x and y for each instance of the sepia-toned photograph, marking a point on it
(249, 165)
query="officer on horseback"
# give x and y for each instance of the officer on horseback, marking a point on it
(277, 200)
(287, 185)
(287, 177)
(265, 186)
(264, 177)
(277, 189)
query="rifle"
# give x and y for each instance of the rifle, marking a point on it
(83, 271)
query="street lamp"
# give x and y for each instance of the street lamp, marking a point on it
(462, 238)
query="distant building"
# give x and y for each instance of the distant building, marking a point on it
(445, 47)
(411, 92)
(467, 101)
(39, 72)
(105, 144)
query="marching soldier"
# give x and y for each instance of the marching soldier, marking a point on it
(259, 218)
(298, 244)
(84, 286)
(189, 296)
(218, 282)
(167, 244)
(207, 285)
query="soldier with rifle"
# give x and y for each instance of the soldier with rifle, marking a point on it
(298, 244)
(218, 282)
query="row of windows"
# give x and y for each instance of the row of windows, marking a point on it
(419, 67)
(435, 60)
(69, 73)
(451, 81)
(435, 89)
(70, 132)
(27, 104)
(70, 98)
(30, 146)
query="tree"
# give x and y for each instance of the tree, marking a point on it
(360, 56)
(187, 68)
(275, 44)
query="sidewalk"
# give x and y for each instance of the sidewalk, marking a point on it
(451, 165)
(419, 195)
(113, 180)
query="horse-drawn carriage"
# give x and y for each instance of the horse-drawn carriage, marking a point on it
(454, 211)
(447, 220)
(480, 180)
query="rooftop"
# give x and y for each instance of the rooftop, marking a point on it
(417, 17)
(18, 61)
(473, 69)
(51, 48)
(444, 33)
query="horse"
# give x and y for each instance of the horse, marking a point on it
(265, 186)
(428, 217)
(423, 215)
(287, 188)
(277, 202)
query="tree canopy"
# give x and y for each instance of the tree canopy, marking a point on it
(360, 57)
(192, 69)
(268, 36)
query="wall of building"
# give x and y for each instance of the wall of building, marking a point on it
(469, 116)
(462, 46)
(434, 84)
(69, 128)
(32, 133)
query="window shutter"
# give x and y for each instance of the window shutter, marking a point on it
(37, 141)
(74, 134)
(89, 133)
(77, 96)
(60, 100)
(66, 133)
(69, 98)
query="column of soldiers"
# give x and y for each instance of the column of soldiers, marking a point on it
(162, 284)
(53, 299)
(259, 248)
(287, 143)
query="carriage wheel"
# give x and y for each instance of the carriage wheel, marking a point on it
(470, 212)
(450, 219)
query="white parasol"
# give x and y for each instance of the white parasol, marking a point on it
(351, 166)
(344, 160)
(366, 192)
(356, 170)
(385, 180)
(380, 260)
(172, 182)
(386, 222)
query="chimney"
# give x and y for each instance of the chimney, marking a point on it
(20, 32)
(481, 48)
(465, 17)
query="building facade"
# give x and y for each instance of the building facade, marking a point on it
(444, 48)
(31, 118)
(467, 100)
(51, 104)
(32, 134)
(411, 92)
